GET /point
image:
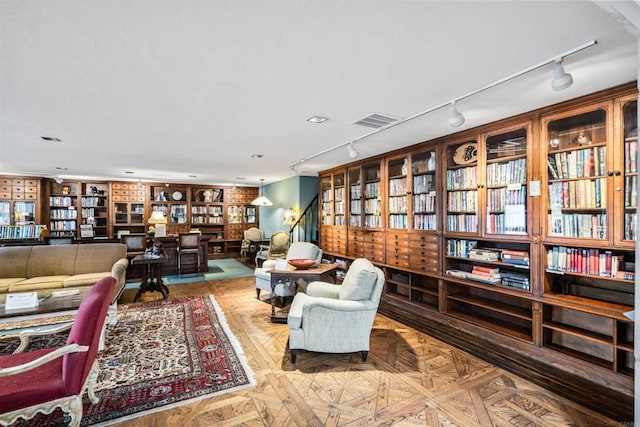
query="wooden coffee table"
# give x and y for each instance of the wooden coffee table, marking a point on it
(47, 305)
(324, 272)
(37, 316)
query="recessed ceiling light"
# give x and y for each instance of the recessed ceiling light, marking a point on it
(240, 178)
(257, 156)
(129, 172)
(60, 168)
(51, 139)
(193, 176)
(317, 119)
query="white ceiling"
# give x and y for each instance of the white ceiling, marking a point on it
(168, 89)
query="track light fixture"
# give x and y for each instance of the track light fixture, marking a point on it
(353, 153)
(455, 117)
(561, 79)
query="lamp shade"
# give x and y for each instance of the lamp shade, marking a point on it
(261, 200)
(157, 217)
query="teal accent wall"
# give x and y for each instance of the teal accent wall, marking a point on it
(296, 192)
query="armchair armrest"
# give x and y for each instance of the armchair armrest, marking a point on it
(269, 264)
(323, 289)
(67, 349)
(119, 272)
(26, 335)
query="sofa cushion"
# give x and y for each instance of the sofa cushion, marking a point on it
(96, 257)
(5, 282)
(13, 261)
(358, 285)
(84, 279)
(35, 283)
(52, 260)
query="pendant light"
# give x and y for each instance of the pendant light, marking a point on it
(261, 200)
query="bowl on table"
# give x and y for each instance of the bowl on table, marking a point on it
(302, 263)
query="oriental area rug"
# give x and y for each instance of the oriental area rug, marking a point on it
(159, 355)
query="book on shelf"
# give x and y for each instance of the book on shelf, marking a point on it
(515, 280)
(551, 163)
(483, 279)
(489, 270)
(484, 254)
(457, 273)
(616, 266)
(488, 275)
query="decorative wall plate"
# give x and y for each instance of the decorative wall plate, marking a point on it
(176, 195)
(466, 153)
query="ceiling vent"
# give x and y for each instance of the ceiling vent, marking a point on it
(375, 120)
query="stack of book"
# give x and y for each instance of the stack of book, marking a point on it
(515, 280)
(520, 258)
(485, 275)
(482, 254)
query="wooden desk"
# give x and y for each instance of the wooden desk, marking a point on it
(151, 275)
(323, 272)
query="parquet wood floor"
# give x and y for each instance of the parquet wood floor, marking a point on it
(409, 379)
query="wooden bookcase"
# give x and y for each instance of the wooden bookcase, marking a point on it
(221, 213)
(516, 242)
(128, 208)
(20, 207)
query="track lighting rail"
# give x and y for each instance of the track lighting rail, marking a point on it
(555, 59)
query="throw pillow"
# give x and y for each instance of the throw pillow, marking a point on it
(358, 286)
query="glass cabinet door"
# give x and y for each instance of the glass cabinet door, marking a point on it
(234, 214)
(397, 193)
(423, 172)
(137, 213)
(506, 183)
(327, 200)
(24, 212)
(338, 199)
(462, 187)
(178, 214)
(249, 214)
(371, 197)
(630, 116)
(577, 176)
(355, 197)
(5, 212)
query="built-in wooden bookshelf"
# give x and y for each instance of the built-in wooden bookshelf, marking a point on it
(517, 242)
(221, 213)
(20, 217)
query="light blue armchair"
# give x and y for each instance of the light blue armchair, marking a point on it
(332, 318)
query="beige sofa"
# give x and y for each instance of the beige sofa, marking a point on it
(46, 269)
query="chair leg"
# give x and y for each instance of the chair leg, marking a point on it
(294, 353)
(364, 355)
(258, 293)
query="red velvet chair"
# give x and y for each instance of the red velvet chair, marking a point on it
(46, 379)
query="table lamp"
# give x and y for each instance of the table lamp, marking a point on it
(159, 222)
